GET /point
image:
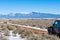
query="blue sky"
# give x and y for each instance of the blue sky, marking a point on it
(17, 6)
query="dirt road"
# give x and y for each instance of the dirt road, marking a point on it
(32, 29)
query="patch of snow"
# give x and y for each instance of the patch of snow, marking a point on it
(17, 37)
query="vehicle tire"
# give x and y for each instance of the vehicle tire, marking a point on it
(49, 32)
(58, 35)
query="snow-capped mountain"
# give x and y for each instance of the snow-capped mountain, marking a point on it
(30, 15)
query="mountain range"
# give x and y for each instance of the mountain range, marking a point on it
(30, 15)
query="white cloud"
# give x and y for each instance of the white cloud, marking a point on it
(24, 12)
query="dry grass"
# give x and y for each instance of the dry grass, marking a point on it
(31, 36)
(41, 23)
(2, 37)
(42, 37)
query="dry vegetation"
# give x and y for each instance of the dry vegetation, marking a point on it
(41, 23)
(31, 36)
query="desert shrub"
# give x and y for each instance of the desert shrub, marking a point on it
(33, 25)
(6, 33)
(1, 26)
(42, 37)
(11, 27)
(2, 37)
(33, 37)
(22, 31)
(26, 33)
(4, 29)
(19, 30)
(15, 31)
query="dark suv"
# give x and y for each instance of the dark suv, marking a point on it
(55, 28)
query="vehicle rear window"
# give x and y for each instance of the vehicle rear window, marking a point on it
(57, 23)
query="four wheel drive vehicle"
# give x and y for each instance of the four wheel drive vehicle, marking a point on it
(55, 28)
